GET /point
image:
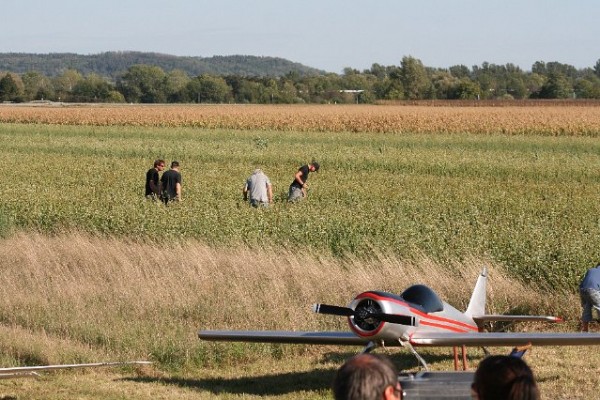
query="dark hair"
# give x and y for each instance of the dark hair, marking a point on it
(174, 164)
(364, 377)
(158, 161)
(315, 165)
(505, 378)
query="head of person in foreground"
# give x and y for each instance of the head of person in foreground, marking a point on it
(504, 377)
(367, 377)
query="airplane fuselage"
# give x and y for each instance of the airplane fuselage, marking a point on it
(429, 316)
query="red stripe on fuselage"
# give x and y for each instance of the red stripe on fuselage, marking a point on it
(446, 327)
(423, 317)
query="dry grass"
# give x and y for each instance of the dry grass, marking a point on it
(539, 120)
(78, 298)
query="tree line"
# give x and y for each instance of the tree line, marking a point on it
(411, 80)
(112, 64)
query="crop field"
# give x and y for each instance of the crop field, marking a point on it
(546, 119)
(526, 201)
(93, 271)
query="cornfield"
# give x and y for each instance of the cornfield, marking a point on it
(511, 120)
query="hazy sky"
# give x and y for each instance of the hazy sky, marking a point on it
(325, 34)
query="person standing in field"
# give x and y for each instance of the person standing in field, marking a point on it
(589, 292)
(258, 189)
(298, 186)
(152, 183)
(170, 184)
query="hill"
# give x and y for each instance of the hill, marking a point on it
(112, 64)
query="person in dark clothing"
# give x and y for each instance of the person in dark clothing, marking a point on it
(170, 184)
(298, 186)
(152, 183)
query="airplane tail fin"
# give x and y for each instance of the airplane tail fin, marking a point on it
(477, 304)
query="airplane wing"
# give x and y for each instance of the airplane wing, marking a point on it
(504, 339)
(19, 372)
(333, 338)
(515, 318)
(432, 339)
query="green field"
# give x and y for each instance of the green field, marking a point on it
(528, 203)
(91, 271)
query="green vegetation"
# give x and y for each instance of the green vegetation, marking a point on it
(529, 203)
(112, 64)
(155, 78)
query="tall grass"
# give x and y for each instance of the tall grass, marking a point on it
(77, 298)
(526, 202)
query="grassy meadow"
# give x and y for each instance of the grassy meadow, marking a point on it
(92, 271)
(527, 202)
(81, 298)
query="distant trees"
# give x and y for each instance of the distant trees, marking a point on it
(410, 80)
(36, 86)
(414, 78)
(65, 83)
(208, 89)
(587, 87)
(112, 65)
(94, 89)
(143, 84)
(11, 88)
(176, 83)
(464, 89)
(557, 86)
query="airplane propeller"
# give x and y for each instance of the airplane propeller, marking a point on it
(369, 314)
(333, 310)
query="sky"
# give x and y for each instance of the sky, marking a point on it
(326, 34)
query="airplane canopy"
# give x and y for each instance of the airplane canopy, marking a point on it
(424, 297)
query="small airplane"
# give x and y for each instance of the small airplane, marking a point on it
(32, 371)
(416, 317)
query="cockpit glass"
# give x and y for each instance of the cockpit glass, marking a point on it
(423, 296)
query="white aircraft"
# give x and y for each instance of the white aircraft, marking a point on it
(28, 372)
(417, 317)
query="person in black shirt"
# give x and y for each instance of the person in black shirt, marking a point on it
(170, 184)
(298, 186)
(152, 185)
